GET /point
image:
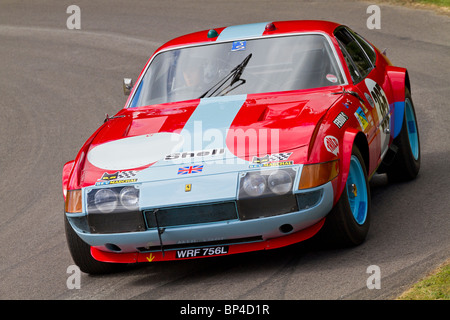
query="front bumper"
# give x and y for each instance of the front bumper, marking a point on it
(202, 251)
(225, 237)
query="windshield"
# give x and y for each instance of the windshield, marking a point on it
(239, 67)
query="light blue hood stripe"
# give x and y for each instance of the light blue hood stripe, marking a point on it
(211, 119)
(242, 31)
(206, 129)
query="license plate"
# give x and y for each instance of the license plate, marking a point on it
(201, 252)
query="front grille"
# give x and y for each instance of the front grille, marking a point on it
(116, 222)
(243, 209)
(254, 208)
(192, 214)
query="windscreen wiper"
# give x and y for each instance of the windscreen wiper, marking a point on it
(234, 75)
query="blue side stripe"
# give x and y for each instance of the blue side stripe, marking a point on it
(399, 111)
(242, 31)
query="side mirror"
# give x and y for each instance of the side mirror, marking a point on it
(127, 86)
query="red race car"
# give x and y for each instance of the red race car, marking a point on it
(238, 139)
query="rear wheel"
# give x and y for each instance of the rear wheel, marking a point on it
(348, 222)
(81, 254)
(406, 163)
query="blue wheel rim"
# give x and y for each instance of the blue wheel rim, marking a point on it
(357, 191)
(412, 129)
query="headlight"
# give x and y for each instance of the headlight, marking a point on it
(108, 200)
(105, 200)
(266, 183)
(254, 184)
(280, 182)
(129, 198)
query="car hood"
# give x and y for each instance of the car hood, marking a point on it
(235, 130)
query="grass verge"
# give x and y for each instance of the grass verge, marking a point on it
(439, 6)
(435, 286)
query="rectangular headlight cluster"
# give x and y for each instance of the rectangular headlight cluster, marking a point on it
(114, 210)
(109, 200)
(266, 193)
(262, 183)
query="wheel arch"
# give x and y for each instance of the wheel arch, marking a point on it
(399, 80)
(351, 137)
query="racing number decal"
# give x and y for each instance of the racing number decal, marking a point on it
(382, 107)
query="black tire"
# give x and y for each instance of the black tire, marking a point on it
(405, 165)
(81, 254)
(341, 228)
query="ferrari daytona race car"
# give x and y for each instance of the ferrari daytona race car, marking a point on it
(241, 138)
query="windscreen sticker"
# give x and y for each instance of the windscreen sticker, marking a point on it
(332, 78)
(239, 45)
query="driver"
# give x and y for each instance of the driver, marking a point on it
(193, 75)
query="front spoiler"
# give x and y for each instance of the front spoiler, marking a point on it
(168, 255)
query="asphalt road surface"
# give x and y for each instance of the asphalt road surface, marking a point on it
(56, 85)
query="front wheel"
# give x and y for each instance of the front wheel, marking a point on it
(348, 222)
(81, 254)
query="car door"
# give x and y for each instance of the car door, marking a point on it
(368, 82)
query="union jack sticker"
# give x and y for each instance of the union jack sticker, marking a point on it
(190, 169)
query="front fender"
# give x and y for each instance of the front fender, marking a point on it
(398, 79)
(67, 169)
(350, 138)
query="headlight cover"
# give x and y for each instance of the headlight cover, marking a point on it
(262, 183)
(108, 200)
(266, 193)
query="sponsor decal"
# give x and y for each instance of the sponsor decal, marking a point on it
(369, 98)
(380, 101)
(117, 177)
(272, 160)
(382, 107)
(272, 164)
(190, 169)
(194, 154)
(331, 144)
(272, 157)
(361, 117)
(340, 120)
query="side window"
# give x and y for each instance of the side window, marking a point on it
(368, 49)
(356, 77)
(356, 59)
